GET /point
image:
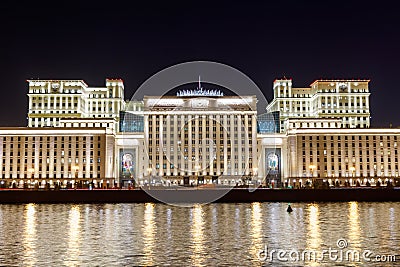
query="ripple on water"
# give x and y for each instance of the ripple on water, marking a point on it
(203, 235)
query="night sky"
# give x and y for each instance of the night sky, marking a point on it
(265, 40)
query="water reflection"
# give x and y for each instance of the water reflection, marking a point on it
(214, 235)
(30, 238)
(256, 229)
(314, 233)
(169, 218)
(354, 225)
(149, 234)
(74, 236)
(197, 235)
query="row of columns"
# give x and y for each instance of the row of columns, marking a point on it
(175, 142)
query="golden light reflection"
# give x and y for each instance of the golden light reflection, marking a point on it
(30, 235)
(197, 229)
(149, 234)
(314, 232)
(73, 251)
(256, 228)
(354, 225)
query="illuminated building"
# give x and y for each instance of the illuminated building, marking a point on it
(67, 156)
(347, 100)
(198, 136)
(52, 100)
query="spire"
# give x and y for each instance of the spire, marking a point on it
(199, 83)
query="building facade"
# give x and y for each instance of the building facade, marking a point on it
(64, 156)
(51, 100)
(347, 100)
(78, 135)
(344, 155)
(197, 138)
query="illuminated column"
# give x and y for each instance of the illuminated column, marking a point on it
(190, 162)
(14, 162)
(246, 144)
(44, 151)
(392, 157)
(363, 155)
(154, 146)
(211, 144)
(254, 142)
(225, 134)
(233, 146)
(196, 143)
(161, 146)
(146, 143)
(58, 157)
(182, 151)
(385, 156)
(204, 139)
(338, 107)
(49, 102)
(175, 140)
(79, 105)
(378, 158)
(168, 145)
(239, 137)
(218, 145)
(328, 157)
(285, 89)
(371, 162)
(319, 103)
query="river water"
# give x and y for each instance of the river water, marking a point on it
(246, 234)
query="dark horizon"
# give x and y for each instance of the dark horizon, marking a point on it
(302, 41)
